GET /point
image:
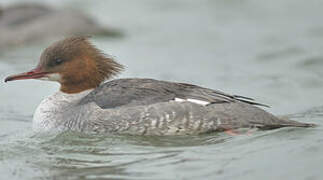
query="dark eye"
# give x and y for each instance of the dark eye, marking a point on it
(58, 61)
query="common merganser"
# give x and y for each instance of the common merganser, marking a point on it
(133, 106)
(25, 23)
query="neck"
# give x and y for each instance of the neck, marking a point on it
(75, 95)
(77, 88)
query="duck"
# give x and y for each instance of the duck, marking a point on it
(30, 23)
(91, 100)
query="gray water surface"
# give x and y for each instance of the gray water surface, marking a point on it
(268, 50)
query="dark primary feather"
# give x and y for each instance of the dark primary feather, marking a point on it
(134, 92)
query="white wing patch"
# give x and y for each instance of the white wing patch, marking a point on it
(196, 101)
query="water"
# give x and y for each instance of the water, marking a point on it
(269, 50)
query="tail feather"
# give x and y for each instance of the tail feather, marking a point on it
(284, 122)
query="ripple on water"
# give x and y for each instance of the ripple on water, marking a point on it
(312, 63)
(278, 55)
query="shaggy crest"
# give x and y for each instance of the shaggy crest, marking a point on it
(80, 64)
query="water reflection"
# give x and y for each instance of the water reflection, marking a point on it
(78, 155)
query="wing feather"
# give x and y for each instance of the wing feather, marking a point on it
(134, 92)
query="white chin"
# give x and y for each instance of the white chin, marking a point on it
(51, 77)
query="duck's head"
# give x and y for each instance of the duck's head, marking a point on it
(73, 62)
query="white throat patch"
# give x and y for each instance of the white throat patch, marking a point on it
(51, 77)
